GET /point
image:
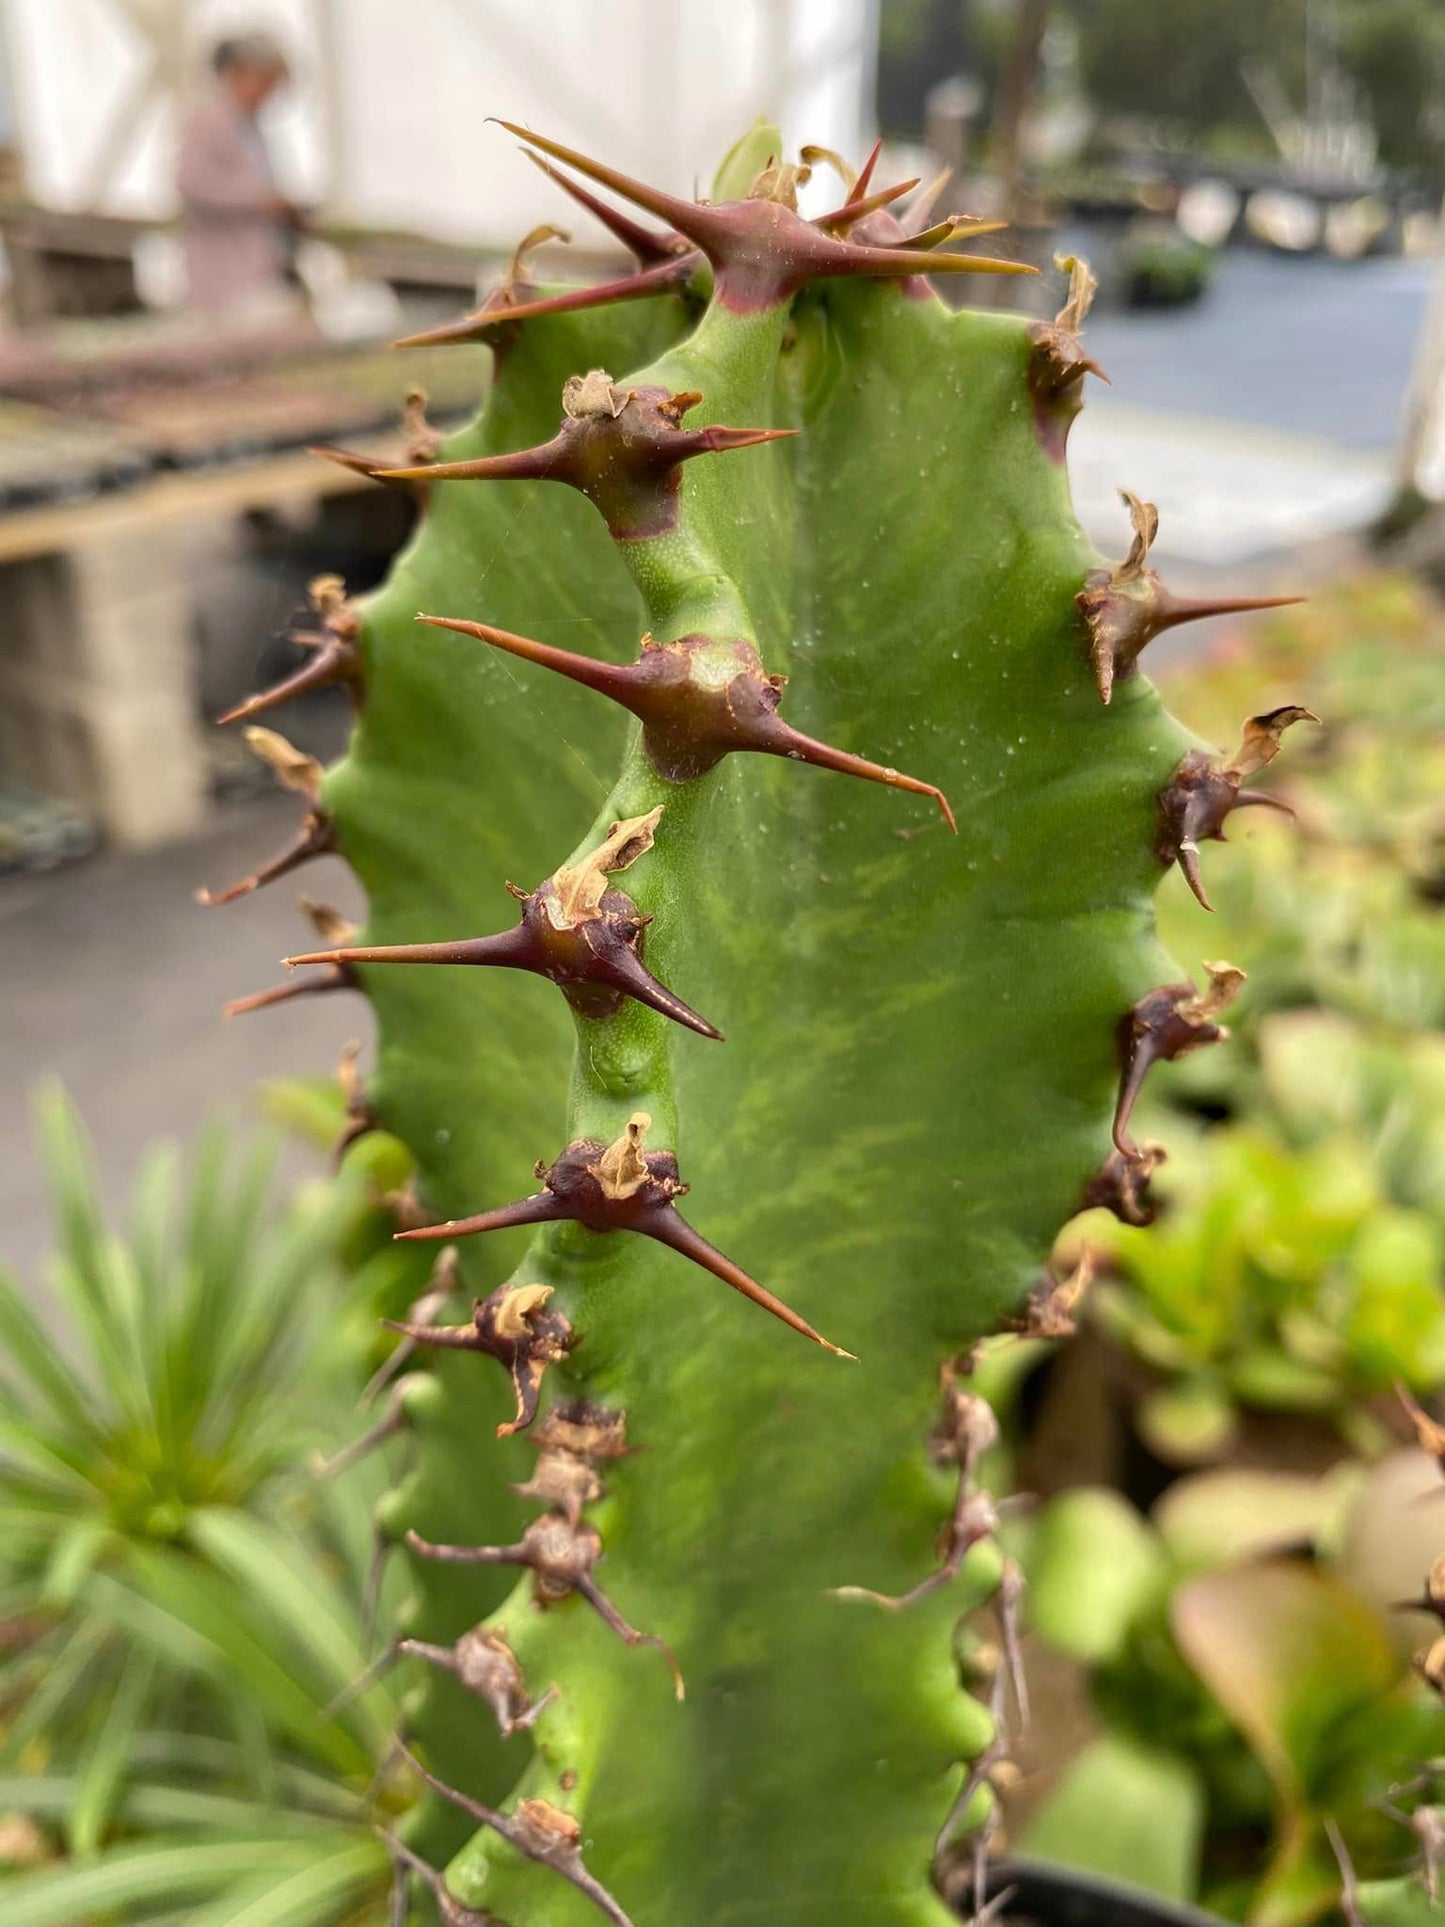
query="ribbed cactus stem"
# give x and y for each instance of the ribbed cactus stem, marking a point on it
(828, 479)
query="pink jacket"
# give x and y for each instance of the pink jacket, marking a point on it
(235, 244)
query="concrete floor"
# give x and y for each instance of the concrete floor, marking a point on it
(113, 982)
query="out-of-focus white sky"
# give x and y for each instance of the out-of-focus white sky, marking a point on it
(386, 122)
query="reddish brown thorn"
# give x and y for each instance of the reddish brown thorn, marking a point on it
(858, 205)
(381, 1551)
(897, 260)
(1125, 607)
(596, 963)
(514, 291)
(560, 1555)
(1263, 799)
(1166, 1024)
(762, 251)
(980, 1774)
(865, 173)
(316, 837)
(337, 977)
(294, 770)
(989, 1765)
(805, 749)
(1173, 610)
(609, 679)
(542, 1832)
(336, 661)
(670, 1229)
(514, 1326)
(1428, 1826)
(691, 718)
(619, 1187)
(691, 218)
(1195, 803)
(645, 245)
(488, 323)
(515, 1555)
(370, 467)
(335, 928)
(1122, 1184)
(541, 1208)
(336, 657)
(589, 943)
(621, 447)
(364, 1681)
(421, 1332)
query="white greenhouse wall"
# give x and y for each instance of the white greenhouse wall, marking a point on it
(386, 125)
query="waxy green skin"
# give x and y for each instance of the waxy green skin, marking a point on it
(916, 1084)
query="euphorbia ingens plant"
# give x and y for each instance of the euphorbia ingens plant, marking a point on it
(690, 1513)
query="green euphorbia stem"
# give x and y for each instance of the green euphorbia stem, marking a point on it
(922, 1050)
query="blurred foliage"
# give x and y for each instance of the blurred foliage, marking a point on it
(1241, 1637)
(1180, 67)
(1183, 65)
(179, 1591)
(1160, 267)
(920, 42)
(1298, 1262)
(1395, 50)
(1255, 1688)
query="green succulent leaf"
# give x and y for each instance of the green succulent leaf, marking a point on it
(1291, 1654)
(1094, 1567)
(1128, 1813)
(1397, 1903)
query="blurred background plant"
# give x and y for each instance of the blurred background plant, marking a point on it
(182, 1594)
(1297, 1272)
(1233, 1509)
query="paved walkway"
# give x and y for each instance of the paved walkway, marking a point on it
(1229, 495)
(113, 978)
(1261, 418)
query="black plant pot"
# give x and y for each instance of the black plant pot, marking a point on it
(1044, 1895)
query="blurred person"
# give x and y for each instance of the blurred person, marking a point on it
(238, 230)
